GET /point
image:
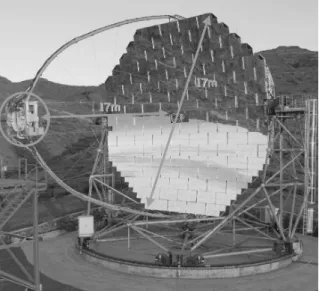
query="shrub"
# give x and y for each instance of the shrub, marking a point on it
(67, 224)
(100, 218)
(98, 214)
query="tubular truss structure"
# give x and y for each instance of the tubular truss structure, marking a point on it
(292, 140)
(281, 188)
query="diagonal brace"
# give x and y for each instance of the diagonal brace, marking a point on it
(141, 232)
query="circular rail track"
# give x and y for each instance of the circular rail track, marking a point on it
(77, 272)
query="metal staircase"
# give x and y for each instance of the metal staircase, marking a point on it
(19, 194)
(13, 201)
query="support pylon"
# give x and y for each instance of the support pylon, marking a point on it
(101, 170)
(20, 191)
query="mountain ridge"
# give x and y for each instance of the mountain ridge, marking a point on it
(294, 70)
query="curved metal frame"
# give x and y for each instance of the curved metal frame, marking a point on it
(33, 149)
(199, 240)
(36, 285)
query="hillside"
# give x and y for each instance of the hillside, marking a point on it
(48, 90)
(295, 70)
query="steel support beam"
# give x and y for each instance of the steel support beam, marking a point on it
(16, 260)
(141, 232)
(281, 177)
(260, 201)
(288, 131)
(174, 221)
(160, 236)
(128, 238)
(254, 228)
(238, 253)
(114, 228)
(274, 214)
(90, 196)
(116, 191)
(292, 212)
(36, 262)
(17, 280)
(225, 220)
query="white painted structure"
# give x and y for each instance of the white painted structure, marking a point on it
(32, 119)
(86, 226)
(25, 120)
(310, 220)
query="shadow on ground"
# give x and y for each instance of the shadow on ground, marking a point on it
(8, 265)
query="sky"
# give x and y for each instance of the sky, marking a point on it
(30, 31)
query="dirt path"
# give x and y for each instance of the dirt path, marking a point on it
(61, 262)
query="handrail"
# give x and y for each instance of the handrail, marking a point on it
(11, 191)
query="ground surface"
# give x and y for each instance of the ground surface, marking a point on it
(142, 250)
(61, 262)
(49, 209)
(6, 263)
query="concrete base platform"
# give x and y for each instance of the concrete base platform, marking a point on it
(140, 257)
(60, 261)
